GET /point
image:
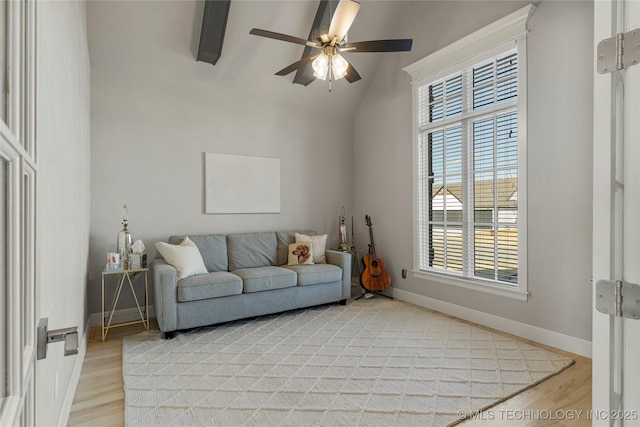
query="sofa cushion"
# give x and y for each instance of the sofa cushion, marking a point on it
(248, 250)
(211, 285)
(315, 274)
(213, 248)
(266, 278)
(285, 238)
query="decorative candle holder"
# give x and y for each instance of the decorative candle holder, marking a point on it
(342, 244)
(124, 240)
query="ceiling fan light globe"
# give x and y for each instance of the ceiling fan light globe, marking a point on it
(320, 66)
(339, 66)
(322, 75)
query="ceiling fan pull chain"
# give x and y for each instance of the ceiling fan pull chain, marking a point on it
(330, 73)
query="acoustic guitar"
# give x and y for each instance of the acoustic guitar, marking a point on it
(374, 277)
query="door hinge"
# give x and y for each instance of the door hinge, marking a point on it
(619, 52)
(618, 298)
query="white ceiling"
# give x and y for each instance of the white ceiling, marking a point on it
(157, 41)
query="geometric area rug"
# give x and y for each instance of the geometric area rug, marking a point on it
(374, 362)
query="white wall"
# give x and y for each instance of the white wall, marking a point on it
(63, 195)
(149, 134)
(150, 126)
(559, 159)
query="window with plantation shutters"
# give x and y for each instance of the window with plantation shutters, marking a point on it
(470, 115)
(469, 171)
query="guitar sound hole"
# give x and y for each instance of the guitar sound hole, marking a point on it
(374, 264)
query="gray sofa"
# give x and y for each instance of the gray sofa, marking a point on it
(248, 277)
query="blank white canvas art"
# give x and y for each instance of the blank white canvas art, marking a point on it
(241, 184)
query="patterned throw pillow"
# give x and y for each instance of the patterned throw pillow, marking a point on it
(300, 253)
(319, 244)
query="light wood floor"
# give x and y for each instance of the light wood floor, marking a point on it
(99, 400)
(562, 400)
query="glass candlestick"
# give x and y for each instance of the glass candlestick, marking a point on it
(344, 246)
(124, 240)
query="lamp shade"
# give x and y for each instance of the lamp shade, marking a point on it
(339, 66)
(321, 66)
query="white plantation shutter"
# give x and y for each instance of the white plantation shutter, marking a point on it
(468, 168)
(495, 180)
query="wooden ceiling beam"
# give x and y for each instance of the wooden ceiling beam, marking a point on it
(214, 25)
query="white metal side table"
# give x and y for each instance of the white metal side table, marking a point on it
(122, 276)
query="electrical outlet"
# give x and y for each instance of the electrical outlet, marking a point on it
(55, 386)
(404, 273)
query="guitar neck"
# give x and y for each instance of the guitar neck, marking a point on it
(372, 245)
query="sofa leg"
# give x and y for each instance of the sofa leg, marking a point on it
(343, 302)
(170, 335)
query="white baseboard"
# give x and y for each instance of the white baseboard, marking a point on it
(523, 330)
(75, 376)
(120, 316)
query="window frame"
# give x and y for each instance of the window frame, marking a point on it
(503, 35)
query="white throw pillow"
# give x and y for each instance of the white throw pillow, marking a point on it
(319, 244)
(185, 257)
(300, 253)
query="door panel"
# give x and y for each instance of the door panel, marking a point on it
(17, 213)
(616, 222)
(632, 223)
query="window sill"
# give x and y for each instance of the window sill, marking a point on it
(477, 285)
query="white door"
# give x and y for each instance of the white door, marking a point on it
(17, 214)
(616, 220)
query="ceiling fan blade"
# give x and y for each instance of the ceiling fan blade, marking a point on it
(352, 74)
(398, 45)
(283, 37)
(342, 19)
(296, 65)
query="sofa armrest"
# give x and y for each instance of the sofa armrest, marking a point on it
(165, 287)
(342, 260)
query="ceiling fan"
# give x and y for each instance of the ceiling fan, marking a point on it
(329, 63)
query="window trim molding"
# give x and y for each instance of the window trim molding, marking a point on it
(486, 42)
(486, 286)
(506, 29)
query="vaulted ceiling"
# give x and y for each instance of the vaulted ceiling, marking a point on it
(158, 41)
